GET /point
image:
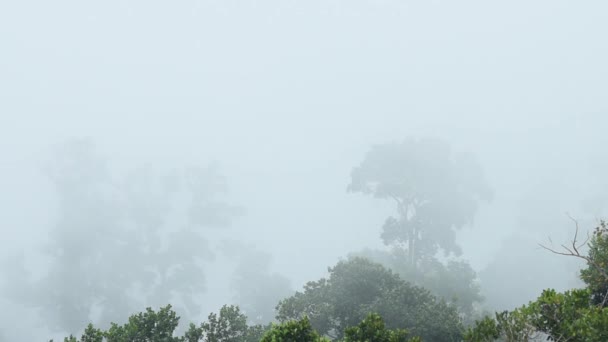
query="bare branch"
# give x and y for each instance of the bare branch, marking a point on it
(556, 252)
(574, 252)
(575, 233)
(586, 240)
(570, 251)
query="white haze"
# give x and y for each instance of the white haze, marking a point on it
(288, 96)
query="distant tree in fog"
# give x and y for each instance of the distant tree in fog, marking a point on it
(121, 243)
(257, 289)
(435, 192)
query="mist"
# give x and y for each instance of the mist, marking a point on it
(279, 101)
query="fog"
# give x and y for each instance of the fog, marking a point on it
(284, 99)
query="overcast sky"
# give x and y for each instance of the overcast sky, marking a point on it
(288, 96)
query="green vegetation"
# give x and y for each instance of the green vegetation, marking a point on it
(575, 315)
(357, 287)
(159, 326)
(151, 326)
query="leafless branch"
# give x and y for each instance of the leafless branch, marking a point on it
(554, 251)
(575, 234)
(586, 240)
(574, 252)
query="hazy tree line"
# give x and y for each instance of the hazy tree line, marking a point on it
(124, 242)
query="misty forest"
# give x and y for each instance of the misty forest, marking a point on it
(303, 171)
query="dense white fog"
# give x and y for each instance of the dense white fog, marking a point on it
(284, 99)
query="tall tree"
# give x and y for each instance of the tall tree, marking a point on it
(435, 192)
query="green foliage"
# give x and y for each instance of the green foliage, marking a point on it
(230, 326)
(515, 325)
(91, 334)
(455, 281)
(484, 330)
(357, 287)
(193, 334)
(149, 326)
(293, 331)
(570, 315)
(373, 329)
(596, 273)
(256, 332)
(507, 326)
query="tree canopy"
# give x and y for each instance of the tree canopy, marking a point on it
(455, 281)
(355, 288)
(230, 326)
